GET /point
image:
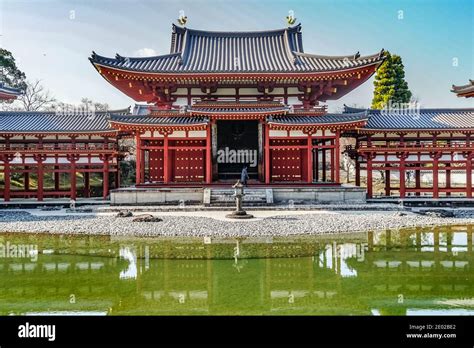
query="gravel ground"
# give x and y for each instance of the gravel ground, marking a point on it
(282, 225)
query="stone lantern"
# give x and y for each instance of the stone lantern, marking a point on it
(239, 213)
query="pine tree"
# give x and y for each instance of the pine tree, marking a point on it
(390, 84)
(9, 72)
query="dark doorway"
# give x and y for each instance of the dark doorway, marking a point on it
(237, 146)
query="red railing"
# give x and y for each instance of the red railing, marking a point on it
(414, 146)
(58, 147)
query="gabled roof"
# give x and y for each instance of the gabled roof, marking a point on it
(52, 122)
(465, 90)
(7, 92)
(199, 51)
(422, 119)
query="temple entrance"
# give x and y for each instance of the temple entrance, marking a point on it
(237, 146)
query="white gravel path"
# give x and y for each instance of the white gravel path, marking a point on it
(277, 223)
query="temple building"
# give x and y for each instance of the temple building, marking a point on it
(56, 150)
(8, 93)
(222, 101)
(466, 91)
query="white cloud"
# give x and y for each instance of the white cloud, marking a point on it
(145, 52)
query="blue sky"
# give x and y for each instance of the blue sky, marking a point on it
(52, 43)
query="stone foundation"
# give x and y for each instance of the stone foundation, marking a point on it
(274, 195)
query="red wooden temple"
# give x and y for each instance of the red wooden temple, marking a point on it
(55, 149)
(219, 101)
(466, 91)
(8, 93)
(223, 100)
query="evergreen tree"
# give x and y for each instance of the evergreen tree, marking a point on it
(390, 84)
(9, 72)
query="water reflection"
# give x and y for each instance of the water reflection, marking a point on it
(407, 272)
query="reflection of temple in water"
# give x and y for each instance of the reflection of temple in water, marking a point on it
(406, 272)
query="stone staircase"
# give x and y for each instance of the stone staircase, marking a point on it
(224, 197)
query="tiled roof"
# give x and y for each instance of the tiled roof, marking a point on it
(238, 107)
(325, 119)
(419, 119)
(159, 121)
(465, 90)
(52, 122)
(7, 92)
(194, 51)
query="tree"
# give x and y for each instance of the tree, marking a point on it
(348, 166)
(10, 75)
(92, 105)
(390, 85)
(36, 97)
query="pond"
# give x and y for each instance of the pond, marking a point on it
(407, 272)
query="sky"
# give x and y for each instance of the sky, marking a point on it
(52, 39)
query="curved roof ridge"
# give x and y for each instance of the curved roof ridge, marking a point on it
(52, 112)
(311, 55)
(295, 28)
(120, 58)
(456, 88)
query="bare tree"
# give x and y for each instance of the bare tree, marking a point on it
(96, 106)
(36, 97)
(348, 166)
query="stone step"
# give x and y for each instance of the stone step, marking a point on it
(253, 197)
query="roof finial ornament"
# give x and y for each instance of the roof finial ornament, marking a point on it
(182, 19)
(291, 19)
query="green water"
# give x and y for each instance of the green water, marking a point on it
(406, 272)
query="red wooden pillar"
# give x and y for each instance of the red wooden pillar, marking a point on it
(309, 159)
(337, 159)
(369, 175)
(436, 176)
(316, 165)
(469, 175)
(166, 164)
(138, 159)
(105, 180)
(332, 152)
(267, 154)
(6, 176)
(208, 154)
